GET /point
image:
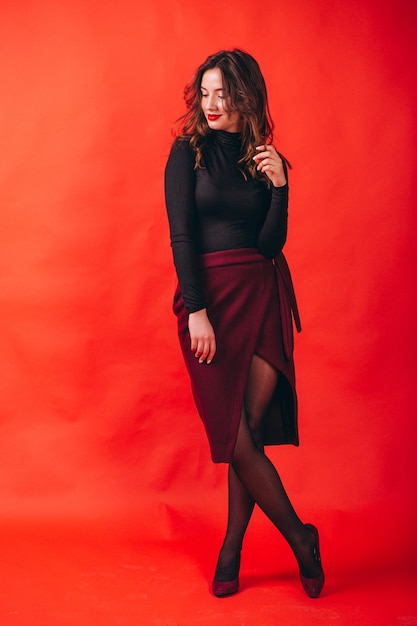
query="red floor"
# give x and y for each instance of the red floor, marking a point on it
(92, 574)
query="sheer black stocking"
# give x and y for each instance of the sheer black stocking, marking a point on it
(260, 387)
(253, 479)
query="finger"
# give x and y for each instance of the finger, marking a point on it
(209, 350)
(263, 152)
(212, 351)
(193, 344)
(268, 163)
(199, 349)
(263, 164)
(204, 351)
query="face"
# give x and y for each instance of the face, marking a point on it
(213, 103)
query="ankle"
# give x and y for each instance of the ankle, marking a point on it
(228, 565)
(306, 552)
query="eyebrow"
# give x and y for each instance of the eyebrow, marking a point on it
(205, 88)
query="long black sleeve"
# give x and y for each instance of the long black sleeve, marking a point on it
(180, 203)
(273, 234)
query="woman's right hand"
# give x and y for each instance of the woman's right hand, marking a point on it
(203, 341)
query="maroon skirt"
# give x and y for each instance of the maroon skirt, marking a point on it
(251, 303)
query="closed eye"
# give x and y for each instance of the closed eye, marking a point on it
(219, 95)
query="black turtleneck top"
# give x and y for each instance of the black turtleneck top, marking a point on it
(215, 208)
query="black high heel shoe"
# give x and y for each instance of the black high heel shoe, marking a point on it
(225, 588)
(313, 586)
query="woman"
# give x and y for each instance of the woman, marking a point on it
(227, 196)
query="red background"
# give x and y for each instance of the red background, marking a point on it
(97, 420)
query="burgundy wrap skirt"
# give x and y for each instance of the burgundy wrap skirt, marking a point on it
(251, 305)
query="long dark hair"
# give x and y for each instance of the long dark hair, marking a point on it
(245, 91)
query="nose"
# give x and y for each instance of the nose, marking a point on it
(212, 102)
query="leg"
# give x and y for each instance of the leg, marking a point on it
(261, 481)
(260, 387)
(240, 508)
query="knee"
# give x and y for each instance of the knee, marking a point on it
(244, 442)
(247, 444)
(255, 429)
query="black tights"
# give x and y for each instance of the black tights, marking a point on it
(253, 479)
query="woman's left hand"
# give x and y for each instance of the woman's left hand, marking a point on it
(269, 162)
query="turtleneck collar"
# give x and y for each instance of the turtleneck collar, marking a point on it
(234, 140)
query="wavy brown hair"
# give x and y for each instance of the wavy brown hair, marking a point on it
(245, 91)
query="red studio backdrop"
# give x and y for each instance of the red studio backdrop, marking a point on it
(97, 418)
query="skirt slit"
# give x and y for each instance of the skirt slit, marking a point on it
(245, 308)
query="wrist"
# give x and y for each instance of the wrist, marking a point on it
(199, 313)
(281, 182)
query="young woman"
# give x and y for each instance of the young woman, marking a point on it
(227, 197)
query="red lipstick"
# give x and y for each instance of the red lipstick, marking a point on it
(213, 118)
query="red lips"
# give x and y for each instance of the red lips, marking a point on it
(213, 118)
